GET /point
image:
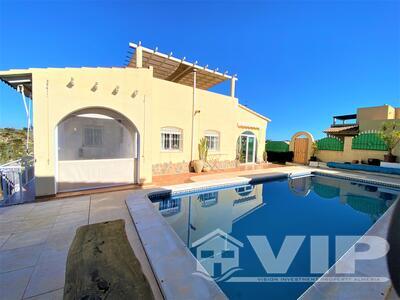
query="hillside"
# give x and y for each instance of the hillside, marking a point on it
(12, 144)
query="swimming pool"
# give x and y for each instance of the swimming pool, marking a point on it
(306, 206)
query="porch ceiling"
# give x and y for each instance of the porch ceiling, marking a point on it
(14, 80)
(177, 70)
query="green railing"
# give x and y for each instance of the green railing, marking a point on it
(330, 143)
(368, 141)
(276, 146)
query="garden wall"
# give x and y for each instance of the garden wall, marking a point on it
(348, 154)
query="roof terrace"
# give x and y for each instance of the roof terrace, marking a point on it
(177, 70)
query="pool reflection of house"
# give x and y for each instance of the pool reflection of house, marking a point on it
(170, 207)
(200, 214)
(208, 199)
(364, 198)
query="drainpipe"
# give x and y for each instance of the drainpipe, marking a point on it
(193, 113)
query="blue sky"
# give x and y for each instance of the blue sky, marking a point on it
(298, 62)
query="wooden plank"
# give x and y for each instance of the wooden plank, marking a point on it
(102, 265)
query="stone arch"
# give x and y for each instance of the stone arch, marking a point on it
(310, 140)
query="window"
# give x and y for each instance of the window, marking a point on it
(93, 136)
(208, 199)
(212, 138)
(171, 139)
(244, 190)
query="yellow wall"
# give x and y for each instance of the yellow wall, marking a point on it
(383, 112)
(371, 118)
(173, 105)
(159, 103)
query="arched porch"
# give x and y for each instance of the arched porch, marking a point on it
(95, 147)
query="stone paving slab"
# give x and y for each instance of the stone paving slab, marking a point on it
(13, 284)
(35, 238)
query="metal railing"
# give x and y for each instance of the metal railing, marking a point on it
(16, 179)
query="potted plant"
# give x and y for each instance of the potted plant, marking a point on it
(198, 165)
(265, 156)
(314, 150)
(390, 134)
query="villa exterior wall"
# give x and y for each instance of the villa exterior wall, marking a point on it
(54, 100)
(150, 104)
(220, 113)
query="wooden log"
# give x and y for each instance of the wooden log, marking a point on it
(102, 265)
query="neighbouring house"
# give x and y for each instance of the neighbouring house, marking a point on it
(355, 137)
(351, 138)
(98, 127)
(366, 118)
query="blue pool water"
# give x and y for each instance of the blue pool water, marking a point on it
(306, 206)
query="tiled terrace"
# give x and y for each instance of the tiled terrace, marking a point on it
(163, 180)
(35, 238)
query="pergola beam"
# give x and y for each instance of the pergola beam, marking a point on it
(144, 49)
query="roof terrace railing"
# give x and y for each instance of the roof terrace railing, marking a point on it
(344, 118)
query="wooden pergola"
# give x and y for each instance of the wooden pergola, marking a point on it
(170, 68)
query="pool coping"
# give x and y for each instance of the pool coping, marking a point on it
(172, 262)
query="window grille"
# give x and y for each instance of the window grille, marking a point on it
(171, 139)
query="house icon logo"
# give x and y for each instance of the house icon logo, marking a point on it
(217, 254)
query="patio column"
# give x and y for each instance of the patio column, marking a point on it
(139, 56)
(233, 84)
(193, 113)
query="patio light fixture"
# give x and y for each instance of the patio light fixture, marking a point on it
(71, 83)
(116, 90)
(95, 87)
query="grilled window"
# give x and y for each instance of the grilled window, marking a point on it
(212, 138)
(171, 139)
(93, 137)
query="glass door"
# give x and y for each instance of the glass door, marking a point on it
(243, 149)
(250, 149)
(247, 149)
